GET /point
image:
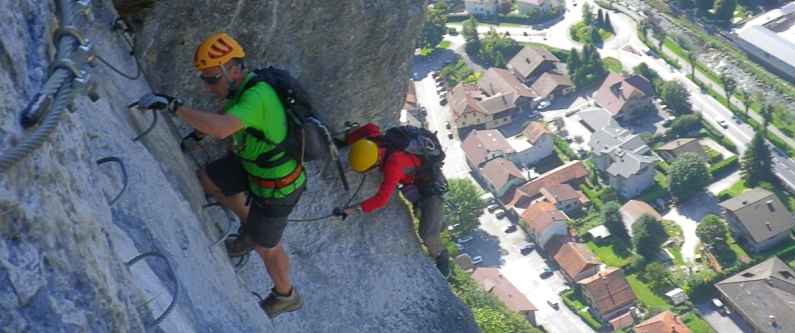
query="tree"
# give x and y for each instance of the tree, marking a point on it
(712, 230)
(658, 278)
(595, 37)
(435, 26)
(499, 60)
(613, 221)
(676, 96)
(505, 7)
(745, 97)
(465, 205)
(573, 61)
(587, 14)
(724, 9)
(645, 71)
(691, 59)
(648, 235)
(659, 34)
(608, 25)
(493, 47)
(689, 175)
(757, 162)
(704, 5)
(600, 18)
(469, 30)
(683, 125)
(729, 84)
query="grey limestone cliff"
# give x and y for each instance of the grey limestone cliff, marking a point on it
(63, 246)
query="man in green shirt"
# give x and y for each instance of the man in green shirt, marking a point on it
(259, 165)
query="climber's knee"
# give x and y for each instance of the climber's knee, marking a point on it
(207, 184)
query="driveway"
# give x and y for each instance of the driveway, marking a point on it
(687, 215)
(725, 183)
(721, 323)
(501, 250)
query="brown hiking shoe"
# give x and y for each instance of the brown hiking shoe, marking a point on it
(275, 305)
(237, 246)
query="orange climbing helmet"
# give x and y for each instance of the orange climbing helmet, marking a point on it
(217, 50)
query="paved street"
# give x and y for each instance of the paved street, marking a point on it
(721, 323)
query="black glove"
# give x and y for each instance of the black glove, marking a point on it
(154, 101)
(340, 212)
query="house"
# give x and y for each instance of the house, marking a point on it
(500, 82)
(633, 210)
(564, 197)
(493, 282)
(484, 145)
(473, 109)
(531, 62)
(481, 7)
(625, 158)
(625, 96)
(532, 145)
(599, 232)
(552, 85)
(664, 322)
(758, 218)
(501, 175)
(572, 173)
(608, 293)
(412, 113)
(595, 119)
(527, 6)
(763, 296)
(576, 261)
(622, 321)
(677, 296)
(544, 221)
(672, 150)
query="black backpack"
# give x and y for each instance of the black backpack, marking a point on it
(425, 145)
(307, 138)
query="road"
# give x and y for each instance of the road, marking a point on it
(721, 323)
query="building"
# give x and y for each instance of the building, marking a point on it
(633, 210)
(768, 38)
(625, 158)
(532, 145)
(484, 145)
(763, 296)
(576, 261)
(497, 82)
(490, 280)
(552, 85)
(527, 6)
(481, 7)
(596, 119)
(672, 150)
(677, 296)
(625, 96)
(531, 62)
(412, 114)
(572, 173)
(664, 322)
(608, 293)
(544, 221)
(501, 175)
(758, 219)
(473, 109)
(564, 197)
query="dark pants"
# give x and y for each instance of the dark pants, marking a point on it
(429, 206)
(267, 218)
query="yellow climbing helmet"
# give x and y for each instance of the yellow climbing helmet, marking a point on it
(217, 50)
(363, 156)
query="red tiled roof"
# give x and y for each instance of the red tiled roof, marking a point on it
(493, 282)
(610, 290)
(560, 192)
(541, 215)
(478, 145)
(574, 258)
(528, 59)
(569, 172)
(623, 321)
(665, 322)
(634, 209)
(500, 171)
(548, 82)
(617, 90)
(534, 131)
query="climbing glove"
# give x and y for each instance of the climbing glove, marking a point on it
(153, 101)
(340, 212)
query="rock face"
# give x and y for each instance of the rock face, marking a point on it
(63, 245)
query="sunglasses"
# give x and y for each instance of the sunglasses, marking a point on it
(211, 80)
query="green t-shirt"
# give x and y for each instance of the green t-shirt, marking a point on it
(259, 107)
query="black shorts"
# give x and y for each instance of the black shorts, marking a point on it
(267, 218)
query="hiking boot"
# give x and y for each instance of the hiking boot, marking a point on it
(443, 263)
(238, 246)
(275, 304)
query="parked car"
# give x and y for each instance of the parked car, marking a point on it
(543, 105)
(553, 304)
(450, 135)
(434, 74)
(546, 273)
(723, 123)
(500, 214)
(443, 101)
(527, 248)
(721, 307)
(447, 125)
(451, 227)
(524, 33)
(477, 259)
(464, 239)
(491, 201)
(460, 247)
(511, 228)
(492, 207)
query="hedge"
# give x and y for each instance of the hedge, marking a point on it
(723, 165)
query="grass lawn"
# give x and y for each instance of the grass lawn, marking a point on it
(676, 251)
(613, 65)
(578, 306)
(611, 252)
(645, 295)
(733, 191)
(736, 248)
(445, 44)
(696, 324)
(658, 190)
(582, 225)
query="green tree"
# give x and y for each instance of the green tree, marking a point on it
(712, 230)
(658, 278)
(490, 320)
(493, 46)
(608, 25)
(684, 124)
(435, 26)
(464, 205)
(573, 62)
(724, 9)
(704, 5)
(745, 97)
(757, 162)
(691, 59)
(674, 94)
(659, 34)
(499, 60)
(645, 71)
(613, 221)
(729, 84)
(469, 30)
(600, 18)
(648, 235)
(689, 175)
(587, 14)
(595, 37)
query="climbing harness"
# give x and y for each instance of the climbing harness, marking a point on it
(171, 305)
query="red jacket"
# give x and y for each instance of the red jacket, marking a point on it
(398, 168)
